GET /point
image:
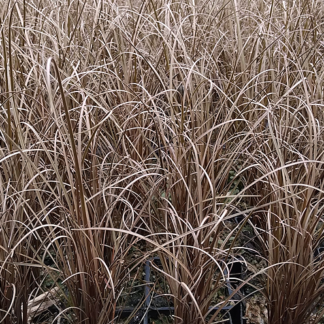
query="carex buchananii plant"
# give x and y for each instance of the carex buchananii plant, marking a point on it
(287, 154)
(64, 170)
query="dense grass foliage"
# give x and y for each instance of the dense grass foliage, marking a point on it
(157, 124)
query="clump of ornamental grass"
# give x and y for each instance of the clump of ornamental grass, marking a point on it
(196, 146)
(64, 170)
(287, 162)
(287, 218)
